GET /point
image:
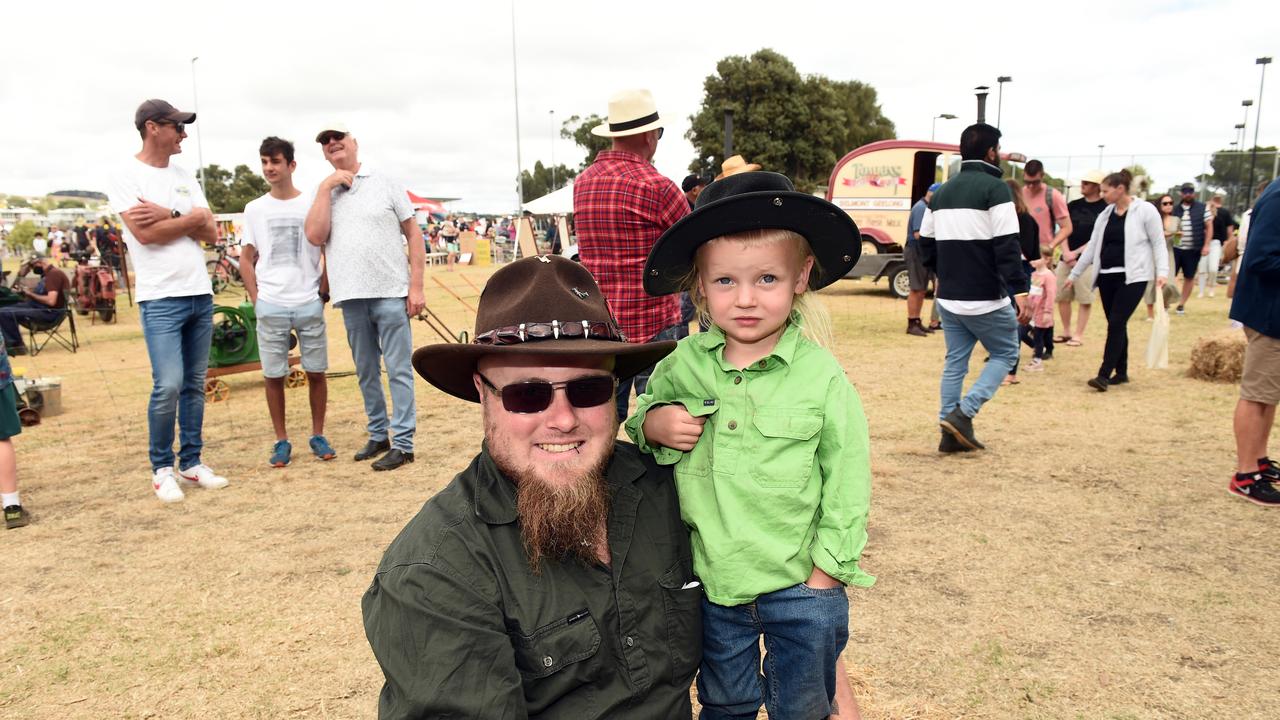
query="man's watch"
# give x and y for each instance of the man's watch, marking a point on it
(175, 214)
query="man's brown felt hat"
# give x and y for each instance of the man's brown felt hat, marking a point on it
(541, 305)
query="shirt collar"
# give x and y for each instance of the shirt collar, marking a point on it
(983, 165)
(619, 156)
(364, 170)
(495, 494)
(713, 340)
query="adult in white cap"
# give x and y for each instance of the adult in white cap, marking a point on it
(1083, 212)
(166, 217)
(362, 217)
(621, 206)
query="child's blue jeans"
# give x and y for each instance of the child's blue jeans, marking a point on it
(805, 630)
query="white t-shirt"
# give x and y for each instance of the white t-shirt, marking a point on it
(366, 250)
(172, 269)
(288, 267)
(40, 245)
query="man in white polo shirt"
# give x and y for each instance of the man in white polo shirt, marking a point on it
(284, 276)
(165, 217)
(363, 219)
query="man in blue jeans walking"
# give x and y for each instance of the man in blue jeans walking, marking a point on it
(969, 236)
(363, 218)
(166, 217)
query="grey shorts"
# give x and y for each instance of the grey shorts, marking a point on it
(275, 322)
(917, 274)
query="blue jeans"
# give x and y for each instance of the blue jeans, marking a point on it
(805, 630)
(177, 331)
(998, 333)
(641, 379)
(378, 330)
(32, 312)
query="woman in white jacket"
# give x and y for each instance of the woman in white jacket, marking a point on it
(1128, 247)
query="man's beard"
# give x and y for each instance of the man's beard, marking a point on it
(564, 521)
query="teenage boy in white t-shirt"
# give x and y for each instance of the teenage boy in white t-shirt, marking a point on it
(284, 275)
(165, 218)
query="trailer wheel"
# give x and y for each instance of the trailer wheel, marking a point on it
(900, 282)
(296, 378)
(216, 390)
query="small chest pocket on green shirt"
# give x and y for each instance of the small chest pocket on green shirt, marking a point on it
(558, 649)
(789, 441)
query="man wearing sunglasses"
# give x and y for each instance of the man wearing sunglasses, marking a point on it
(363, 219)
(166, 217)
(552, 577)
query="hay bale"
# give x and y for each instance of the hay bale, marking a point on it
(1218, 357)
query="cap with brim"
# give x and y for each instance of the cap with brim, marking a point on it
(542, 305)
(1094, 176)
(631, 112)
(156, 109)
(754, 201)
(333, 127)
(1188, 188)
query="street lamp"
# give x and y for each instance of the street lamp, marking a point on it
(195, 106)
(1245, 104)
(1000, 96)
(981, 93)
(1100, 147)
(1239, 134)
(1257, 121)
(934, 125)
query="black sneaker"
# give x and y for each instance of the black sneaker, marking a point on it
(949, 444)
(1251, 486)
(960, 427)
(1098, 383)
(373, 449)
(1270, 471)
(393, 459)
(15, 350)
(15, 516)
(1118, 380)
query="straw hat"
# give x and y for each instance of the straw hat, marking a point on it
(631, 112)
(734, 165)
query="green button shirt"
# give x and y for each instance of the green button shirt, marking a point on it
(780, 480)
(463, 628)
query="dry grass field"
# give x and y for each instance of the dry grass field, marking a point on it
(1090, 564)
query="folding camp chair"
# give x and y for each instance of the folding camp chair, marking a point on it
(42, 332)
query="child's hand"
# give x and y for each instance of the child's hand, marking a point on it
(820, 580)
(672, 426)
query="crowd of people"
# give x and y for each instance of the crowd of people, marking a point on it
(566, 573)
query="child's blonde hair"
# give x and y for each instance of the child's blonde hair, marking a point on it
(814, 320)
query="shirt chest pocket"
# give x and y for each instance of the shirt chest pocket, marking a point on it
(554, 654)
(788, 442)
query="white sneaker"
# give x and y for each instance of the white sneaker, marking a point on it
(166, 486)
(201, 476)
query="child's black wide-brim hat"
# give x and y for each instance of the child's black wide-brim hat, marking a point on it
(754, 201)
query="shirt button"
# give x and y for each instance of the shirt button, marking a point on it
(547, 661)
(630, 641)
(733, 424)
(764, 363)
(737, 380)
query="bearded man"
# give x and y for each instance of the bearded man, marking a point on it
(552, 577)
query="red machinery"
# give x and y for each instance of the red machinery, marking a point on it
(96, 291)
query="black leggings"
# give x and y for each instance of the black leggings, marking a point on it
(1119, 300)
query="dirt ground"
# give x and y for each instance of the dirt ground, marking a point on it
(1089, 564)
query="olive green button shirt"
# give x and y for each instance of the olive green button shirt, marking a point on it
(780, 480)
(463, 628)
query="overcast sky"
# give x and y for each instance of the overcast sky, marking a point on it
(427, 86)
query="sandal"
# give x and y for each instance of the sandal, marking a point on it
(1074, 343)
(1010, 380)
(1061, 338)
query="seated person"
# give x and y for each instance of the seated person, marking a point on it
(46, 304)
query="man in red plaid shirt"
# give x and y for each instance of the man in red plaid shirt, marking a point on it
(621, 206)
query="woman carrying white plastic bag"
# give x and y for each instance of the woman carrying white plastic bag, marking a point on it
(1128, 247)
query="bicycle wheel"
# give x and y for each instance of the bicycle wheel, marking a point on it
(218, 275)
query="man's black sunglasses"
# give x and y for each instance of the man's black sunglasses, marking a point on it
(330, 136)
(535, 396)
(180, 127)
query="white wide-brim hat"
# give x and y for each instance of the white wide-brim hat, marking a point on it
(631, 112)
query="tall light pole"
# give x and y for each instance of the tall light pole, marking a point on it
(553, 151)
(1100, 148)
(1245, 104)
(195, 107)
(1000, 96)
(981, 93)
(1239, 134)
(515, 91)
(934, 125)
(1257, 121)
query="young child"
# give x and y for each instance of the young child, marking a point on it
(769, 443)
(1044, 293)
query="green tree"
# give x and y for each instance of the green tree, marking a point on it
(70, 204)
(1229, 172)
(16, 201)
(20, 237)
(228, 191)
(790, 123)
(538, 183)
(578, 129)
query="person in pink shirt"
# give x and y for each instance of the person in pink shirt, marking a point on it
(1047, 205)
(1044, 292)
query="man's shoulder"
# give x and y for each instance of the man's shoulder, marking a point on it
(447, 515)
